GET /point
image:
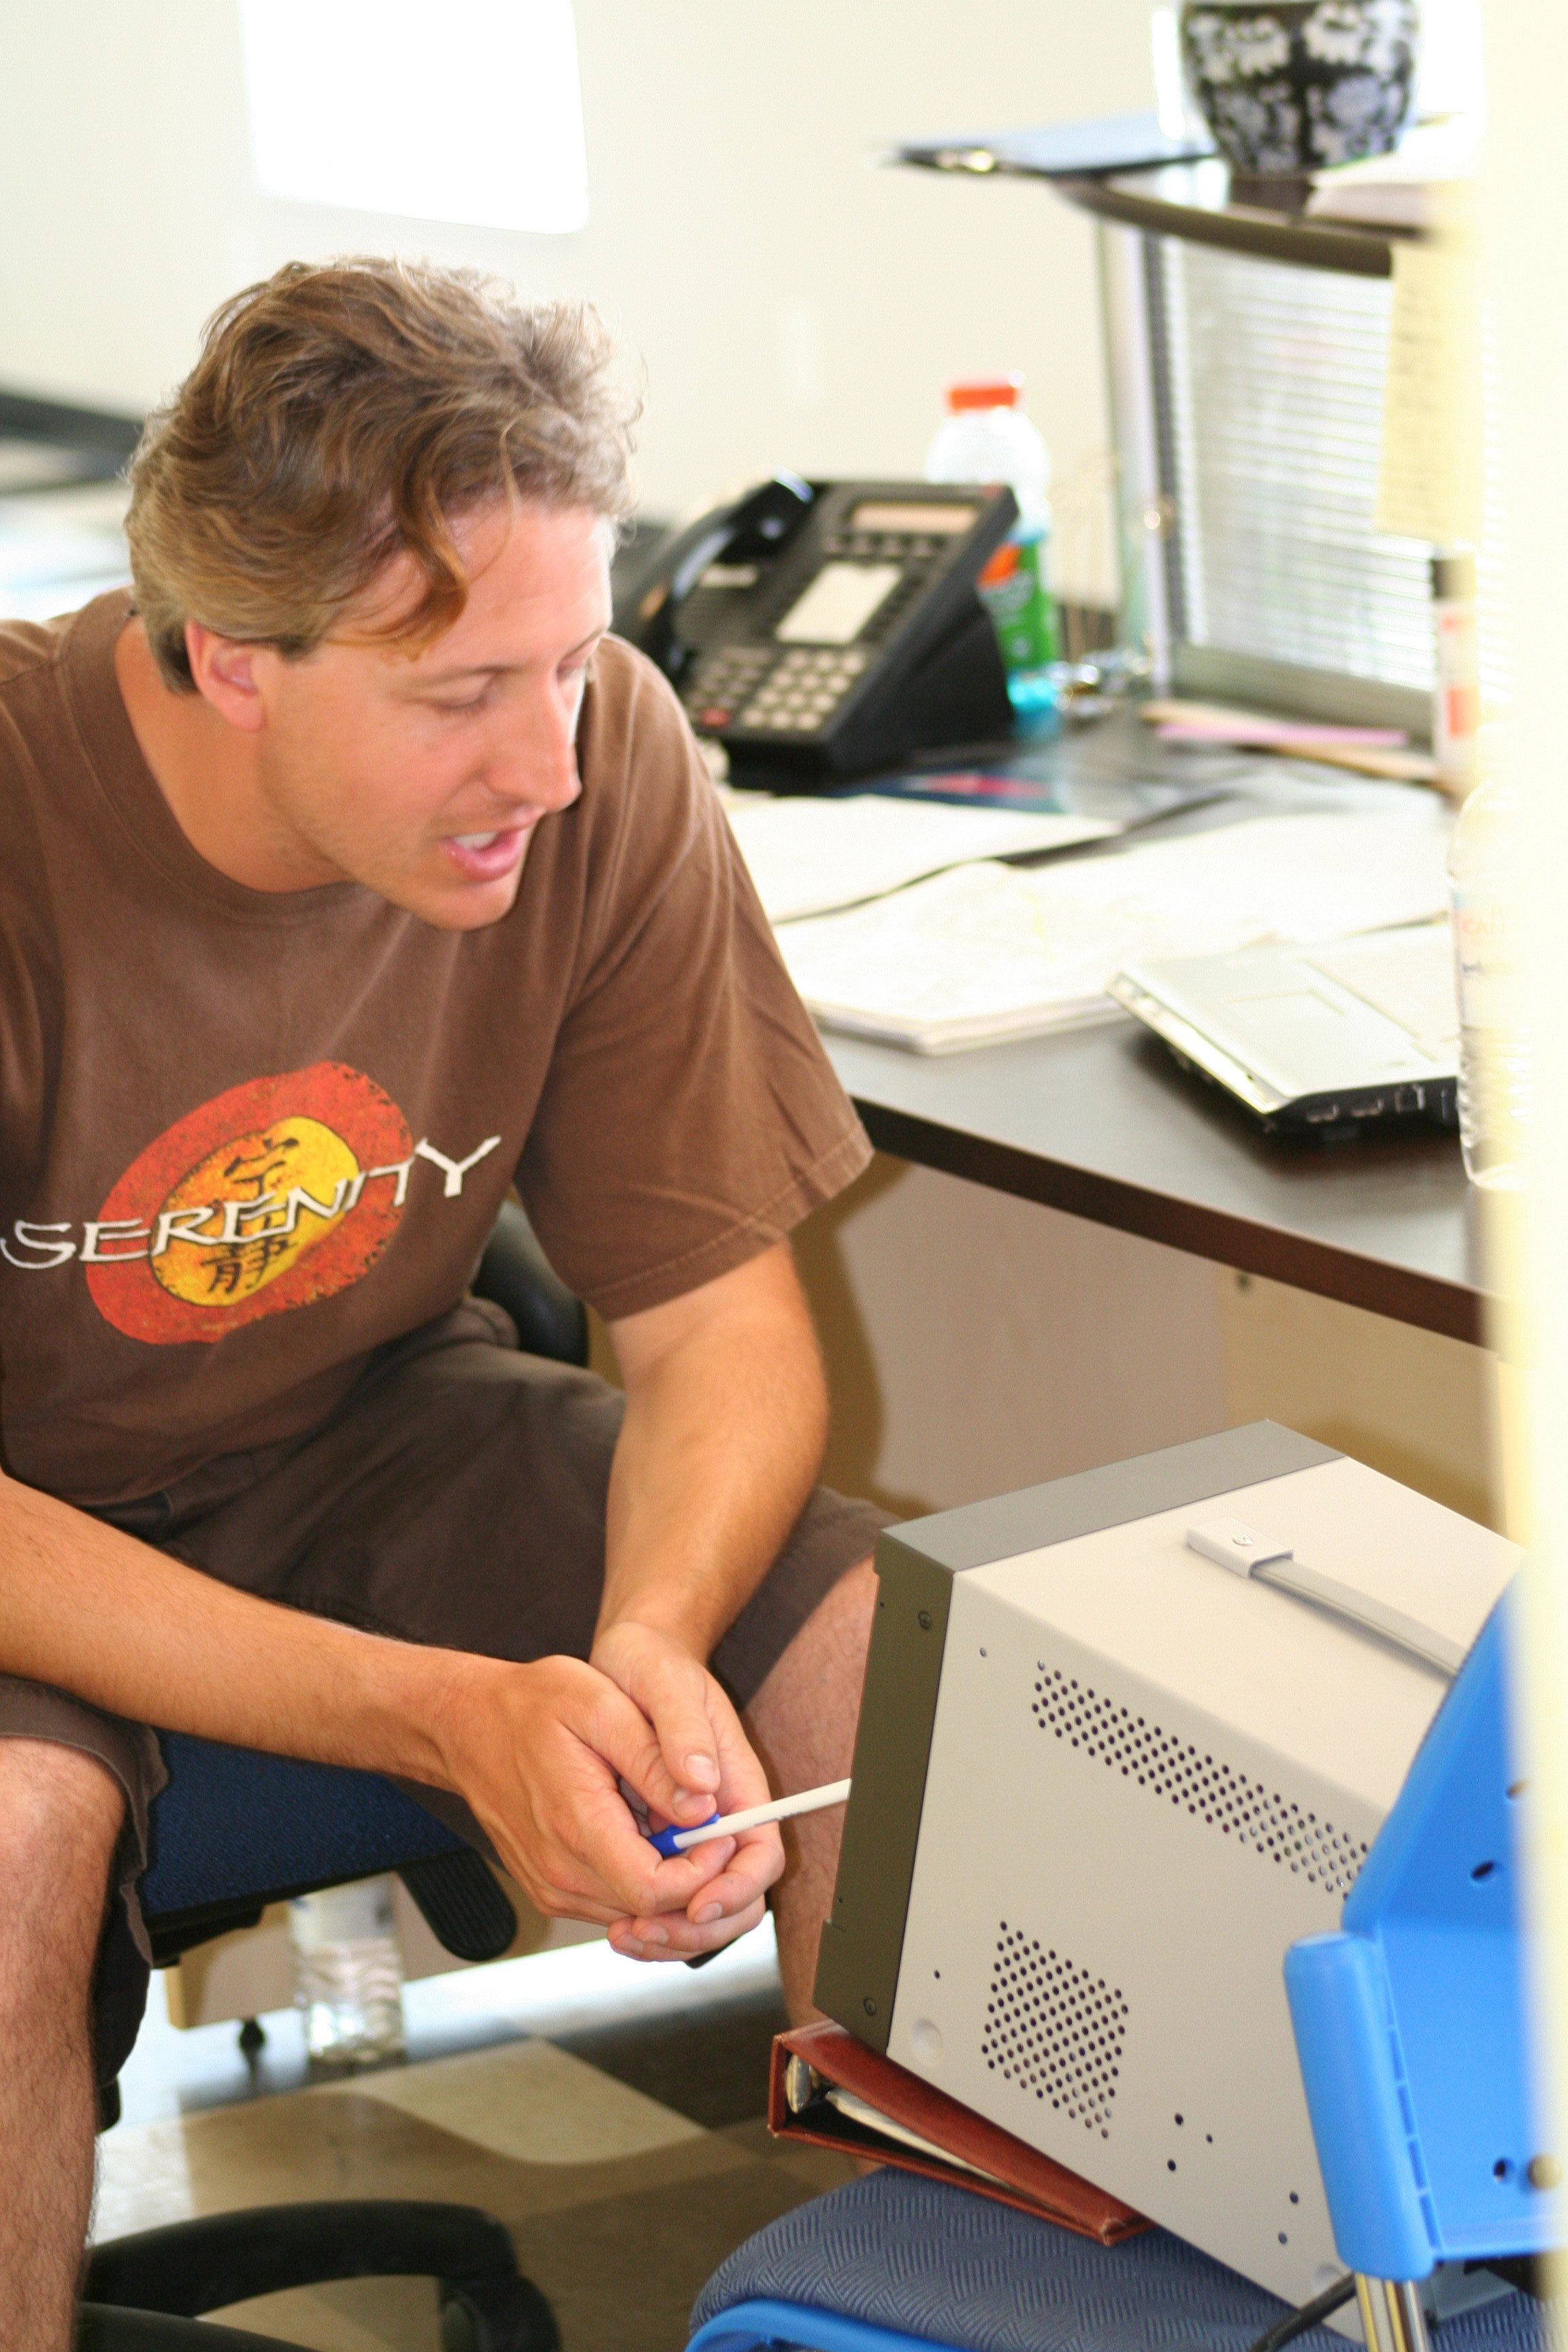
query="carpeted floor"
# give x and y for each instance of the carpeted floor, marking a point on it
(627, 2157)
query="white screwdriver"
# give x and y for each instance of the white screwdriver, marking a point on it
(672, 1841)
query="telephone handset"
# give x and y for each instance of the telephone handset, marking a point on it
(824, 629)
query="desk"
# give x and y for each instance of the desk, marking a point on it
(1074, 1297)
(1101, 1123)
(1070, 1252)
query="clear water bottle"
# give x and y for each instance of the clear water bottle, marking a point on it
(986, 437)
(347, 1974)
(1486, 882)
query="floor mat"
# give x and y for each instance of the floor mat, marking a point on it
(620, 2207)
(710, 2065)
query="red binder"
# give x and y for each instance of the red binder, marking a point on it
(1004, 2168)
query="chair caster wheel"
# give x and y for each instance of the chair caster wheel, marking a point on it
(497, 2316)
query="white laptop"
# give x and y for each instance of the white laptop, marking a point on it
(1314, 1037)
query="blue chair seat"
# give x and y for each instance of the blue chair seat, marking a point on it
(234, 1823)
(894, 2263)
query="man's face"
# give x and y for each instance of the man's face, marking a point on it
(422, 777)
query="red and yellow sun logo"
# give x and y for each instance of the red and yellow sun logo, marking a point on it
(270, 1197)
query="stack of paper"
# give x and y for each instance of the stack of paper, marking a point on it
(1368, 750)
(1417, 187)
(991, 952)
(806, 856)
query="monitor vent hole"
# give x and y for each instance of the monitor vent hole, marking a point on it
(1054, 2030)
(1213, 1793)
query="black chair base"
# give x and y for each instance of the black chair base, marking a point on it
(141, 2292)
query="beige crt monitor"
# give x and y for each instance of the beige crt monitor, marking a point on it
(1103, 1779)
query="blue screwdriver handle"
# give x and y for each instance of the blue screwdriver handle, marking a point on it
(663, 1841)
(675, 1840)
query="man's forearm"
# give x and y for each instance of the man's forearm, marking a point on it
(722, 1440)
(95, 1612)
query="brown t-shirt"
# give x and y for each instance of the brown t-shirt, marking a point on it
(247, 1137)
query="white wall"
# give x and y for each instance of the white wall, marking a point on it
(794, 303)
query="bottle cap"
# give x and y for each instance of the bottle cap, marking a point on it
(986, 392)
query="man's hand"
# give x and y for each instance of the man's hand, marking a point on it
(705, 1754)
(540, 1753)
(726, 1411)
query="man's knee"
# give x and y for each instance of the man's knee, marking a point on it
(848, 1611)
(61, 1817)
(813, 1690)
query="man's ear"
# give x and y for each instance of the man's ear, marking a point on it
(225, 672)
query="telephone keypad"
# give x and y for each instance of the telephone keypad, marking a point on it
(791, 694)
(725, 680)
(805, 687)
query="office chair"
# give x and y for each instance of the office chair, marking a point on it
(897, 2263)
(236, 1831)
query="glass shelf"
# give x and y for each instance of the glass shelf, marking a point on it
(1126, 170)
(1207, 204)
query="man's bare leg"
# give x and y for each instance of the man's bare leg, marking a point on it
(802, 1725)
(60, 1813)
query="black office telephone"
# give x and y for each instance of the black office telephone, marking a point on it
(825, 629)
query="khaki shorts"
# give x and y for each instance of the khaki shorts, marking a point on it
(458, 1498)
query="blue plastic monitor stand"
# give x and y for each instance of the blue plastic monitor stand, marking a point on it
(1412, 2025)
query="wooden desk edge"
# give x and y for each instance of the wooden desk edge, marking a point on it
(1453, 1310)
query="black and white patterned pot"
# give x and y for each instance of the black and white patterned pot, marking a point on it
(1290, 86)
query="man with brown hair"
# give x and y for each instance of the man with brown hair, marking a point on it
(347, 874)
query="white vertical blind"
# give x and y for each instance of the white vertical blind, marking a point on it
(1271, 381)
(1273, 396)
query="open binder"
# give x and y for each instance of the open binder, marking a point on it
(888, 2109)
